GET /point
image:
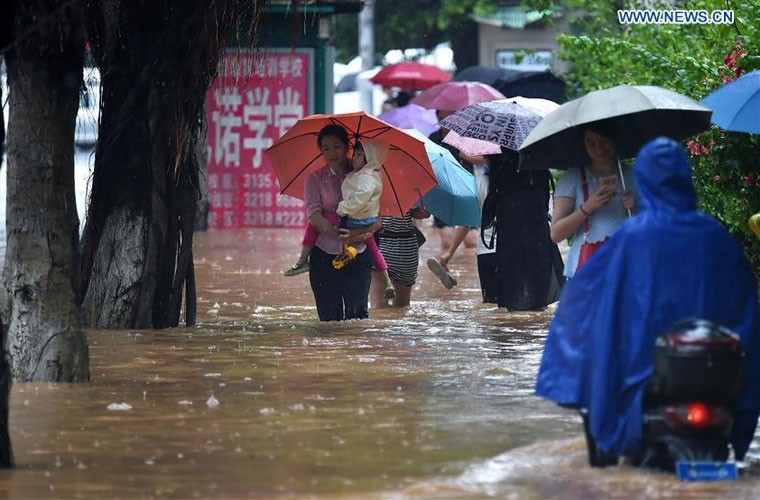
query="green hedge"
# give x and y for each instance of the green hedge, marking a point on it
(693, 60)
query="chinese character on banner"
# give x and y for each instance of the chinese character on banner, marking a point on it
(255, 99)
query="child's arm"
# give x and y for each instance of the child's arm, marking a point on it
(361, 234)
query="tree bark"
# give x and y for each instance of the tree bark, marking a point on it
(156, 64)
(44, 337)
(201, 154)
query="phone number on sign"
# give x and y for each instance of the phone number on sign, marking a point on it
(279, 219)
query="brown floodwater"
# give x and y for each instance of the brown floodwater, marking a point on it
(261, 400)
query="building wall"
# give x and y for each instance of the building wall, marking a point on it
(493, 39)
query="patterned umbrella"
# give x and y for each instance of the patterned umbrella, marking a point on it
(505, 123)
(475, 146)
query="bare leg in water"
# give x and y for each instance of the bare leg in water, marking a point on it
(377, 299)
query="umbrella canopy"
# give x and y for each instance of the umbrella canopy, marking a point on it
(512, 82)
(453, 96)
(410, 76)
(639, 113)
(406, 170)
(475, 147)
(736, 105)
(412, 116)
(455, 199)
(470, 146)
(505, 123)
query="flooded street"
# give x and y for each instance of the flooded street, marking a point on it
(260, 400)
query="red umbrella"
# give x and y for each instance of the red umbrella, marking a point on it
(410, 76)
(406, 173)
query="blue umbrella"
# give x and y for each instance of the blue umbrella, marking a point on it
(455, 199)
(736, 105)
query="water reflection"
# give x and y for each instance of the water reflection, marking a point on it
(261, 400)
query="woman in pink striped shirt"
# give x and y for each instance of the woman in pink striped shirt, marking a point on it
(339, 293)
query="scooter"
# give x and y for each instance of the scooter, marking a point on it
(687, 409)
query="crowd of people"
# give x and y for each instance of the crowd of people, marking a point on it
(633, 287)
(519, 263)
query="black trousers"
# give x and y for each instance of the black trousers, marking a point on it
(343, 293)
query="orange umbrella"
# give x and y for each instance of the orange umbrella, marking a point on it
(410, 76)
(406, 173)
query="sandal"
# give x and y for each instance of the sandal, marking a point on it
(297, 268)
(443, 274)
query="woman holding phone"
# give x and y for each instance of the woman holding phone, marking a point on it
(590, 202)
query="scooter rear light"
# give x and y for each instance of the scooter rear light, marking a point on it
(685, 340)
(699, 416)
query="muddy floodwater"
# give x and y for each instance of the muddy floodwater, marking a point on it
(260, 400)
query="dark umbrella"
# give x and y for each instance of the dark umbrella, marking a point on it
(512, 82)
(639, 113)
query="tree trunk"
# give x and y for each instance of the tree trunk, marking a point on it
(156, 64)
(44, 335)
(464, 43)
(201, 153)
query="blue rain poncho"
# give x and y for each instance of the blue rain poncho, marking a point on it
(668, 263)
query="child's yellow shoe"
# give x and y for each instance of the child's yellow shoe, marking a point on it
(344, 257)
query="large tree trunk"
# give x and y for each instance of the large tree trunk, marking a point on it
(156, 64)
(202, 155)
(44, 337)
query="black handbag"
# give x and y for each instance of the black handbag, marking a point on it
(488, 219)
(420, 237)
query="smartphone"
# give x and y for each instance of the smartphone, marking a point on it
(608, 181)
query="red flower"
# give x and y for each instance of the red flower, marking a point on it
(749, 180)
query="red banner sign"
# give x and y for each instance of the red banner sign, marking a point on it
(255, 99)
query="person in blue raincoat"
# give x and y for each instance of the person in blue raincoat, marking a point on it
(668, 263)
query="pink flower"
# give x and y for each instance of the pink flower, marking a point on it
(749, 180)
(716, 178)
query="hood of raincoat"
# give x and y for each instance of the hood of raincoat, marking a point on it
(668, 263)
(375, 151)
(663, 178)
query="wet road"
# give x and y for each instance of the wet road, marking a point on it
(263, 401)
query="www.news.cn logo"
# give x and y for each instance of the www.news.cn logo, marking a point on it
(675, 16)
